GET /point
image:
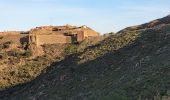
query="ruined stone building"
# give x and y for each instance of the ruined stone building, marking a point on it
(50, 35)
(60, 34)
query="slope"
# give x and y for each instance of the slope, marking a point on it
(129, 66)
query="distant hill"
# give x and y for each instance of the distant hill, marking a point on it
(152, 24)
(133, 65)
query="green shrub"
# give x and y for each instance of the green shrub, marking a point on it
(24, 45)
(71, 49)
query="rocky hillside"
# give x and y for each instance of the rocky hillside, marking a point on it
(134, 65)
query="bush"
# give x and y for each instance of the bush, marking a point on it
(28, 53)
(111, 33)
(24, 45)
(71, 49)
(3, 56)
(15, 53)
(1, 37)
(6, 45)
(1, 47)
(115, 96)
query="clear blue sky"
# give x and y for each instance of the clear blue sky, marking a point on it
(101, 15)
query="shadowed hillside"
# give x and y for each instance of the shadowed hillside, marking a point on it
(134, 65)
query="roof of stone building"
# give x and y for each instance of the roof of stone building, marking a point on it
(60, 30)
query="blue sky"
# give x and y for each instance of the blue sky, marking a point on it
(102, 15)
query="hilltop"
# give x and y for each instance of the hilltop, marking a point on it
(153, 24)
(130, 65)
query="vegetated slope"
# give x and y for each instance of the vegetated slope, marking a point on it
(18, 66)
(128, 66)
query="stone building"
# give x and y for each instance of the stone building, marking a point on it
(60, 34)
(50, 35)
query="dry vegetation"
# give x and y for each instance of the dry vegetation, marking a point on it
(20, 66)
(133, 65)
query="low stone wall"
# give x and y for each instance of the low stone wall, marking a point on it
(14, 38)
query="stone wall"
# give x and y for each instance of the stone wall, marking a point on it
(90, 33)
(14, 38)
(52, 39)
(80, 37)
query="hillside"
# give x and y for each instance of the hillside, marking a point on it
(155, 23)
(134, 65)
